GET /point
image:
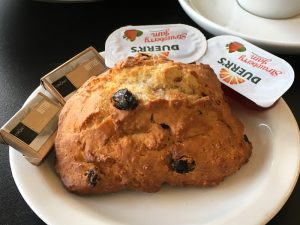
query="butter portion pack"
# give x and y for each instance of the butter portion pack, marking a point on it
(248, 70)
(63, 81)
(32, 129)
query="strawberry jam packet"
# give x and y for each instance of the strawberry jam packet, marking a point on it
(248, 70)
(179, 42)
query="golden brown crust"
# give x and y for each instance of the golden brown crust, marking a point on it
(181, 115)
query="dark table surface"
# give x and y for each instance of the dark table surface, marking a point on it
(36, 37)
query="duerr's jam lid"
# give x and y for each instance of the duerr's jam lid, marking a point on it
(252, 72)
(179, 42)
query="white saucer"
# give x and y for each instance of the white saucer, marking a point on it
(227, 17)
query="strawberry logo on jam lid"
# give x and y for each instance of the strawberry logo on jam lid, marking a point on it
(131, 35)
(235, 46)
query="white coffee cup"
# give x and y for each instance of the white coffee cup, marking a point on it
(273, 9)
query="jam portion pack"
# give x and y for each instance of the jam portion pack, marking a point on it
(179, 42)
(248, 70)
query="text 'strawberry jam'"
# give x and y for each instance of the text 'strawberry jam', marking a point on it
(248, 70)
(179, 42)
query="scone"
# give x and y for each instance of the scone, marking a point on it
(146, 122)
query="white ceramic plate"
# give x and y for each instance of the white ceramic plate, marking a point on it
(253, 195)
(227, 17)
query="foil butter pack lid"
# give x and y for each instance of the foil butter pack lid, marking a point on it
(179, 42)
(33, 128)
(63, 81)
(248, 70)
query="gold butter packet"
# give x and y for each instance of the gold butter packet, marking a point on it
(33, 128)
(63, 81)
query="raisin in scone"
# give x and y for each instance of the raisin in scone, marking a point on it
(146, 122)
